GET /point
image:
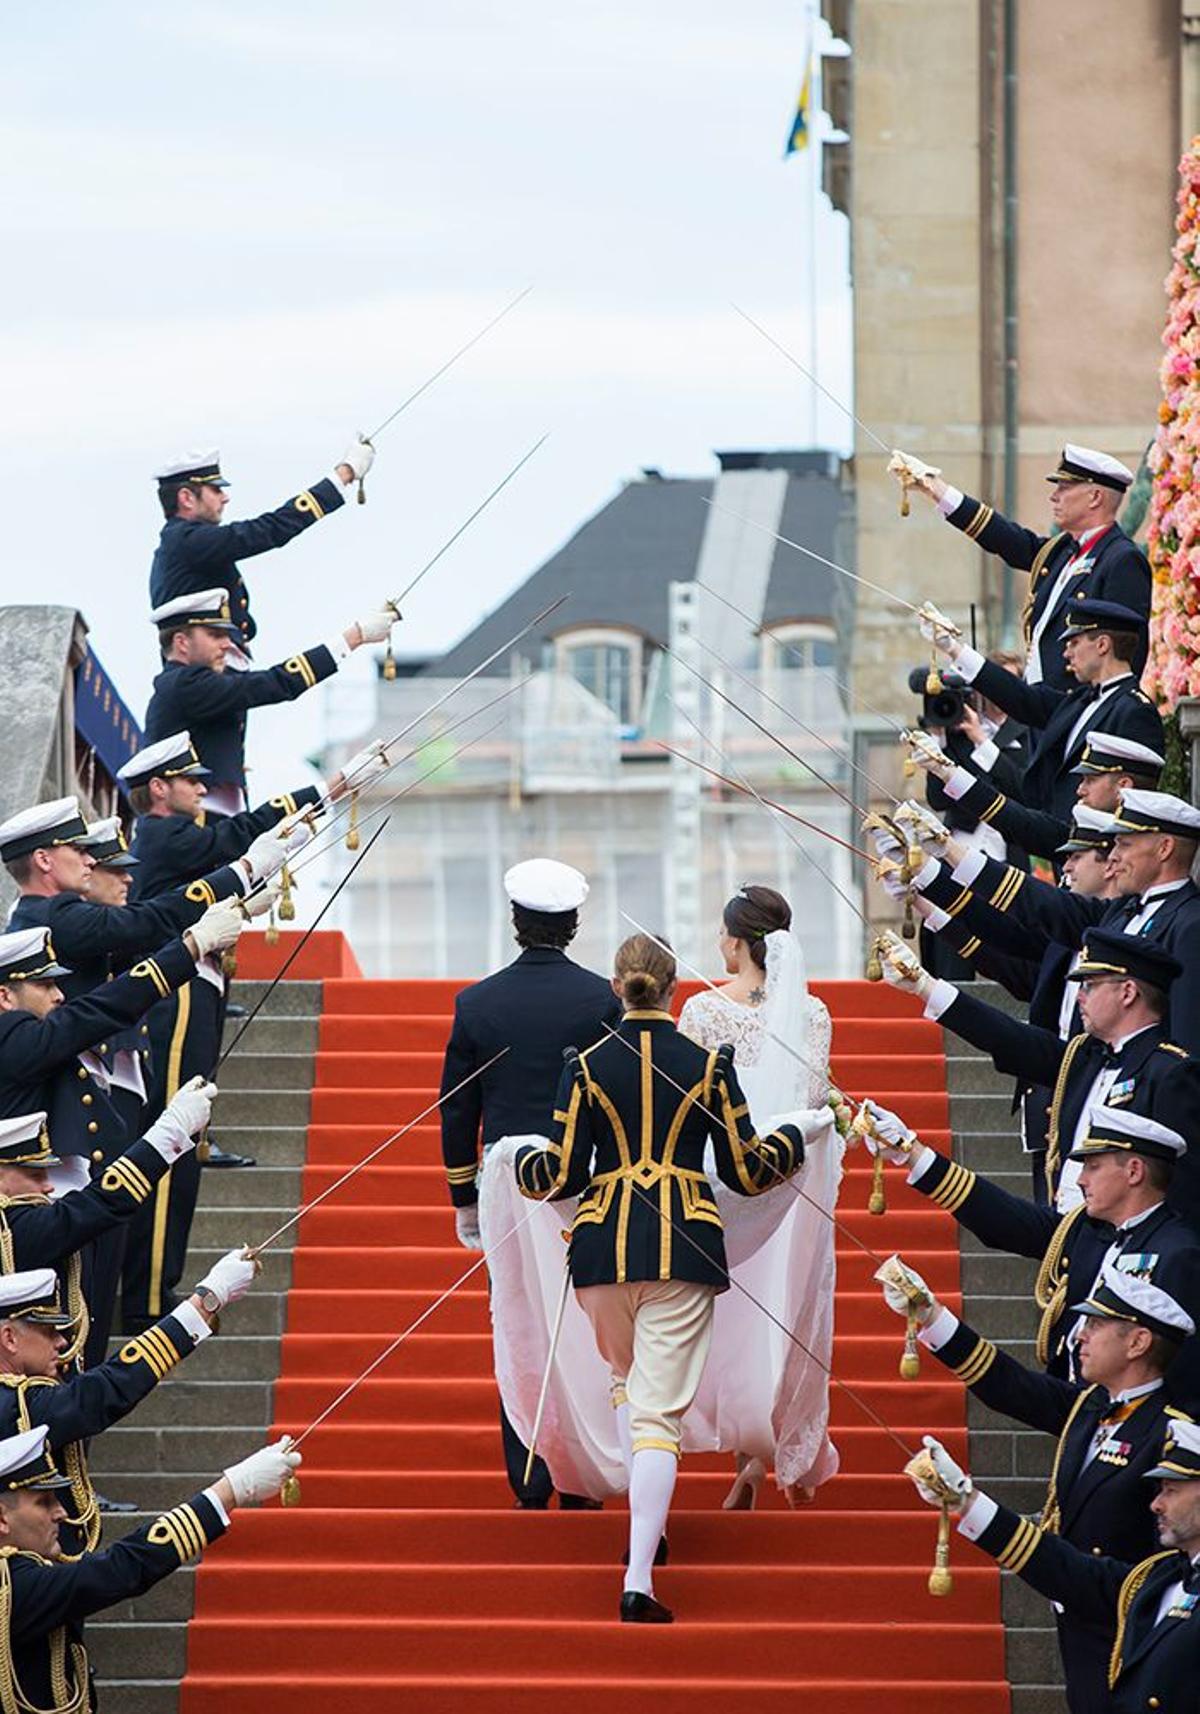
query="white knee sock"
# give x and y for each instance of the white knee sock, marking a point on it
(651, 1484)
(625, 1436)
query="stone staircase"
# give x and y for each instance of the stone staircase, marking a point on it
(217, 1406)
(1011, 1462)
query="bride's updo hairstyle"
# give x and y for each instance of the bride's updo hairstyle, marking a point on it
(752, 914)
(645, 971)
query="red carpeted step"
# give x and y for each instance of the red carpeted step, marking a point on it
(589, 1640)
(346, 1267)
(283, 1589)
(406, 1578)
(389, 1108)
(222, 1692)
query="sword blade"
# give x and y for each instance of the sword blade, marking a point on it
(449, 363)
(808, 374)
(854, 576)
(463, 527)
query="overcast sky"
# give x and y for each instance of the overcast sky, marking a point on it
(260, 226)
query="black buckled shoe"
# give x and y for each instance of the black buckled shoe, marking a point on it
(639, 1609)
(217, 1156)
(104, 1504)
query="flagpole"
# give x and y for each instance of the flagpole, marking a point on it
(814, 107)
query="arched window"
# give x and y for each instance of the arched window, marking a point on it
(798, 643)
(608, 662)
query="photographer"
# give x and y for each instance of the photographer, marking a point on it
(1100, 641)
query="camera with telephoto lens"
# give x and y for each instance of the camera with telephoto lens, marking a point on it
(943, 708)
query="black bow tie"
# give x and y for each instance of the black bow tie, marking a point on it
(1110, 1058)
(1192, 1581)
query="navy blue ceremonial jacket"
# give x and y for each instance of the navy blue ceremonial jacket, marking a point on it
(173, 849)
(212, 706)
(192, 556)
(1113, 569)
(539, 1005)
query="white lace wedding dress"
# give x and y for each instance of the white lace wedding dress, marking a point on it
(762, 1394)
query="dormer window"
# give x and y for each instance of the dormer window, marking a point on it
(606, 661)
(799, 643)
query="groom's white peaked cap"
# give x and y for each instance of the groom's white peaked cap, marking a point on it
(542, 884)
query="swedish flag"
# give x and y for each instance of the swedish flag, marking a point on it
(798, 135)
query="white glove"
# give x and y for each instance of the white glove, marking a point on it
(266, 854)
(905, 1292)
(927, 753)
(888, 1135)
(882, 838)
(909, 469)
(258, 904)
(466, 1228)
(943, 633)
(890, 876)
(377, 627)
(262, 1474)
(901, 968)
(360, 456)
(231, 1277)
(219, 927)
(366, 765)
(175, 1130)
(952, 1478)
(929, 833)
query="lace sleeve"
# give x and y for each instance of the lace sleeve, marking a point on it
(698, 1020)
(820, 1044)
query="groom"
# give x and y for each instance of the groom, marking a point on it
(535, 1008)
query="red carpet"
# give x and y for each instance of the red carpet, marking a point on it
(406, 1584)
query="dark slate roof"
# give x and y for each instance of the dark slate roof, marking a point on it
(618, 566)
(799, 587)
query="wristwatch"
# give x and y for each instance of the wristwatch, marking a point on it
(210, 1303)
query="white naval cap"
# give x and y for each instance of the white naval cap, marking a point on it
(542, 884)
(26, 1461)
(163, 760)
(1108, 753)
(1181, 1451)
(202, 467)
(1091, 829)
(105, 842)
(27, 955)
(1120, 1128)
(32, 1295)
(203, 607)
(1152, 812)
(25, 1141)
(1123, 1296)
(56, 823)
(1085, 464)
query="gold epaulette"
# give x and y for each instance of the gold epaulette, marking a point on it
(1170, 1047)
(954, 1189)
(1125, 1600)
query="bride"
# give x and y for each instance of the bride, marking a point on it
(780, 1245)
(763, 1397)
